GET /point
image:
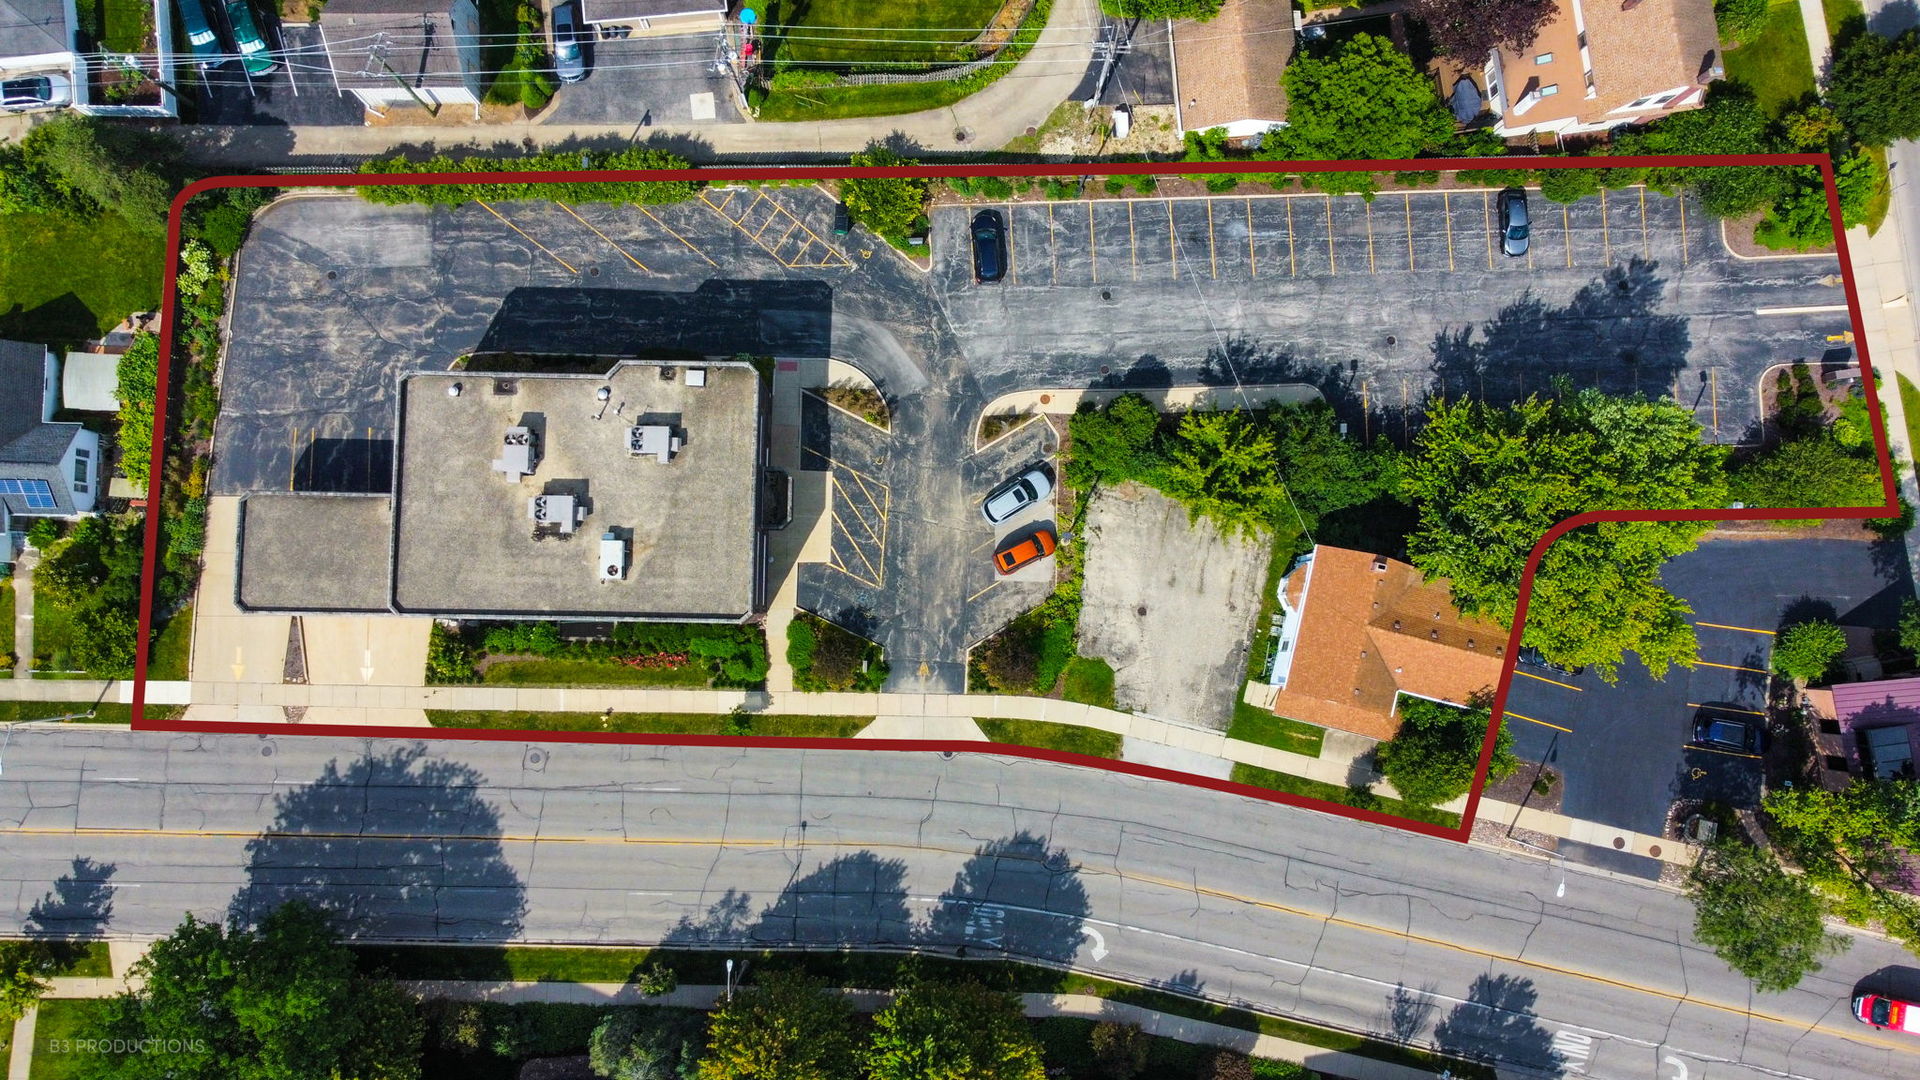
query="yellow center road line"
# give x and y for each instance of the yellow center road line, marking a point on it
(529, 239)
(1732, 667)
(1446, 215)
(655, 218)
(1723, 708)
(1606, 239)
(1543, 678)
(603, 236)
(1743, 629)
(1332, 268)
(1053, 247)
(1531, 720)
(1682, 201)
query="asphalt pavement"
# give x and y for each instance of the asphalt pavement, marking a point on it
(1333, 921)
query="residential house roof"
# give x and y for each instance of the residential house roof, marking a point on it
(30, 447)
(1637, 48)
(598, 11)
(90, 381)
(1882, 716)
(1372, 628)
(371, 43)
(23, 402)
(34, 27)
(1227, 70)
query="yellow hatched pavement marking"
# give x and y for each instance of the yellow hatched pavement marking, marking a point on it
(602, 235)
(799, 257)
(655, 218)
(529, 239)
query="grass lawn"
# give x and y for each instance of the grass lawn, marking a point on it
(591, 673)
(52, 633)
(106, 712)
(1839, 12)
(1039, 733)
(1089, 681)
(1910, 402)
(1883, 199)
(123, 23)
(62, 1020)
(871, 970)
(1775, 65)
(831, 31)
(48, 293)
(85, 960)
(1256, 725)
(6, 621)
(1314, 789)
(810, 727)
(167, 657)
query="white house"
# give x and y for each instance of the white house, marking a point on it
(46, 469)
(405, 52)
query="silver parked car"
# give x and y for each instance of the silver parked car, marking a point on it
(1514, 226)
(1016, 495)
(48, 91)
(569, 59)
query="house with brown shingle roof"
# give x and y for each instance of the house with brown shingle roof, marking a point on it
(1226, 71)
(1360, 630)
(1603, 63)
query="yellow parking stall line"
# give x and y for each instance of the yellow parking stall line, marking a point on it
(1331, 268)
(990, 587)
(1713, 394)
(728, 201)
(1293, 261)
(1486, 205)
(293, 454)
(312, 434)
(1408, 199)
(1745, 629)
(1133, 242)
(1093, 245)
(1370, 267)
(1730, 667)
(1682, 200)
(369, 453)
(1213, 261)
(1543, 678)
(1724, 708)
(1542, 723)
(840, 490)
(1446, 214)
(1717, 750)
(1053, 248)
(655, 218)
(765, 225)
(603, 236)
(872, 502)
(1173, 249)
(1566, 232)
(785, 236)
(1606, 235)
(1253, 262)
(1646, 242)
(873, 575)
(529, 239)
(1013, 265)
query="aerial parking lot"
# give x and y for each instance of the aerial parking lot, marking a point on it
(1377, 305)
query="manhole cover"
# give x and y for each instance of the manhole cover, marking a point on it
(1391, 340)
(536, 758)
(1141, 611)
(333, 275)
(1107, 295)
(1105, 370)
(593, 271)
(266, 749)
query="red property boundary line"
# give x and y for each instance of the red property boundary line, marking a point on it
(1889, 508)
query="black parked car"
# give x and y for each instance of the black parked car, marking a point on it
(989, 246)
(1717, 730)
(1513, 222)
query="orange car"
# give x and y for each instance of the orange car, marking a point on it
(1014, 556)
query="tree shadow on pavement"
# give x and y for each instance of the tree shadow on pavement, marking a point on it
(1409, 1011)
(1015, 899)
(399, 845)
(77, 908)
(1497, 1023)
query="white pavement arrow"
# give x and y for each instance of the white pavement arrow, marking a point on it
(239, 669)
(1099, 943)
(1680, 1067)
(366, 665)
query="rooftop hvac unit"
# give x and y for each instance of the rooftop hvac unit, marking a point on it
(516, 454)
(613, 558)
(560, 513)
(653, 440)
(696, 376)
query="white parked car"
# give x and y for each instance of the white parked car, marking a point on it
(1016, 495)
(48, 91)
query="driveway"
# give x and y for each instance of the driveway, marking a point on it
(1622, 749)
(298, 92)
(648, 81)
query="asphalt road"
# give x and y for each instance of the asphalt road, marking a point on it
(1366, 928)
(1377, 305)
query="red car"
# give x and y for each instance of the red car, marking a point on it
(1886, 1012)
(1033, 548)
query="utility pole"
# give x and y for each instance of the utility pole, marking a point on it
(1108, 51)
(378, 54)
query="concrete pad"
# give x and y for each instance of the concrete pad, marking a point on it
(1169, 604)
(1172, 757)
(922, 727)
(228, 644)
(366, 650)
(359, 717)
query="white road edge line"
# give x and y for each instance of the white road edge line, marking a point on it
(1816, 309)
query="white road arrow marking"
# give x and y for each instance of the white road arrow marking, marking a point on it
(1679, 1066)
(239, 668)
(366, 665)
(1099, 943)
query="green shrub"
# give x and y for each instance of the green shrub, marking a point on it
(826, 657)
(649, 192)
(1741, 21)
(43, 532)
(1569, 185)
(449, 658)
(1432, 758)
(1805, 651)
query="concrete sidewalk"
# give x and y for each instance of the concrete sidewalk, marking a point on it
(1086, 1006)
(1022, 98)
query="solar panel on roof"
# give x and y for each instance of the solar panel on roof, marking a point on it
(37, 493)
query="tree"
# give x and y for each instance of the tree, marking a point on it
(1731, 122)
(1874, 85)
(1112, 444)
(1469, 29)
(1764, 922)
(1220, 465)
(1569, 185)
(1804, 651)
(890, 206)
(139, 386)
(1740, 21)
(1202, 10)
(954, 1031)
(789, 1027)
(1855, 846)
(86, 160)
(1432, 758)
(1325, 471)
(1365, 100)
(646, 1044)
(1816, 471)
(1489, 481)
(24, 967)
(1120, 1050)
(280, 1001)
(1910, 625)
